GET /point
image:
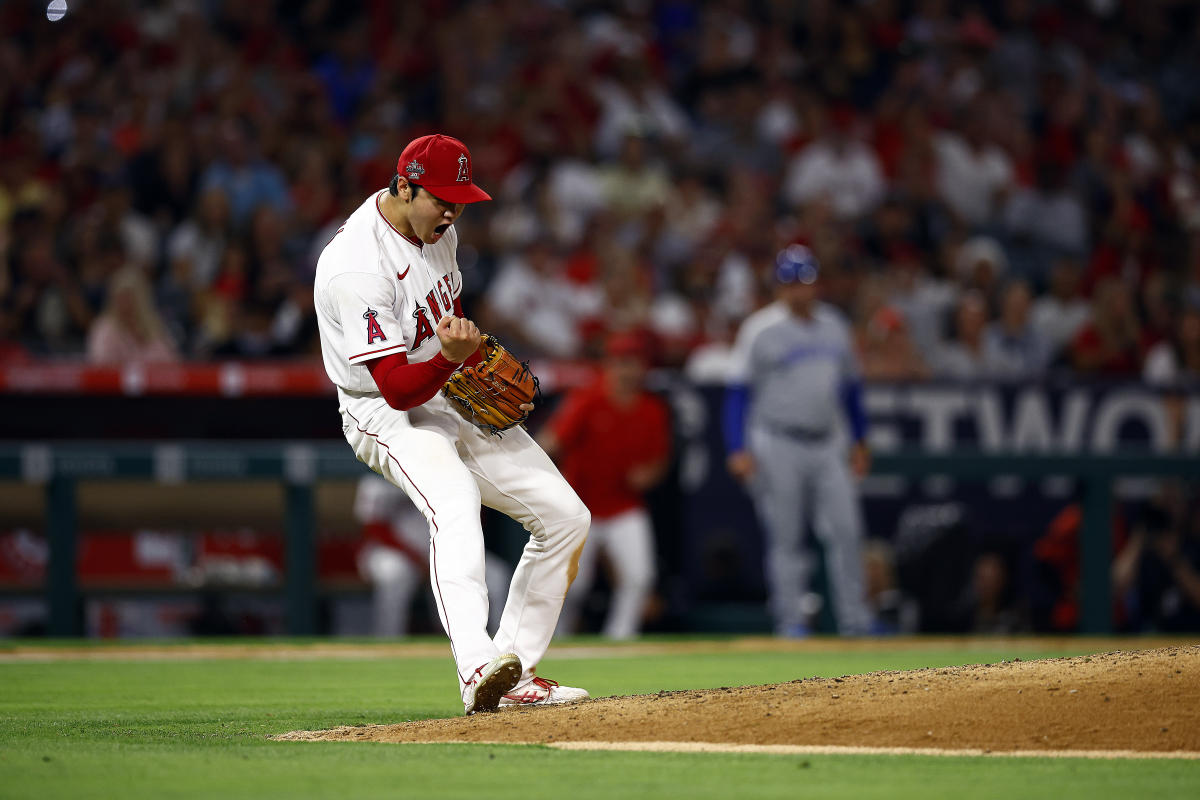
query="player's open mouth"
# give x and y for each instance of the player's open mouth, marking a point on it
(440, 229)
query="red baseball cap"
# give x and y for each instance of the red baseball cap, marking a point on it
(441, 164)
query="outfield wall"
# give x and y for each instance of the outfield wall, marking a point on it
(984, 468)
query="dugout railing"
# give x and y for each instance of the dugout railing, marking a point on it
(60, 466)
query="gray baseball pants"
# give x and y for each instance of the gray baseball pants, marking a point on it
(797, 479)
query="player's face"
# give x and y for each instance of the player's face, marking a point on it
(430, 216)
(626, 372)
(799, 296)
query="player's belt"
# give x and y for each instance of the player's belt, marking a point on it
(798, 433)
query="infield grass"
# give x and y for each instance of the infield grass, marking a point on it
(197, 728)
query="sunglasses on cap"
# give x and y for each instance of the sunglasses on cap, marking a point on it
(796, 264)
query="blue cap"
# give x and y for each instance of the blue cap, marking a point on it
(796, 264)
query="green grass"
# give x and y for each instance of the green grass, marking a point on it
(198, 728)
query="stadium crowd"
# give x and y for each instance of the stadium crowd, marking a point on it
(993, 189)
(997, 190)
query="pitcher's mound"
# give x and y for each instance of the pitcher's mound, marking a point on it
(1146, 701)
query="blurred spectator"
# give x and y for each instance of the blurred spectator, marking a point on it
(199, 241)
(839, 168)
(216, 308)
(1175, 362)
(1156, 575)
(925, 301)
(632, 99)
(1173, 366)
(1045, 221)
(893, 611)
(129, 331)
(1158, 309)
(885, 350)
(974, 175)
(46, 301)
(1126, 249)
(1012, 346)
(634, 187)
(964, 357)
(164, 176)
(248, 180)
(534, 305)
(1059, 314)
(294, 326)
(727, 129)
(1111, 344)
(251, 331)
(1056, 595)
(989, 601)
(981, 264)
(115, 214)
(694, 211)
(346, 71)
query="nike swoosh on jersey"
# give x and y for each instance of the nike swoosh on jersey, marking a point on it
(401, 276)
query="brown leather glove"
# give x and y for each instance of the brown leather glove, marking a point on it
(491, 393)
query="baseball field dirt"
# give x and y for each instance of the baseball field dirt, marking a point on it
(1134, 701)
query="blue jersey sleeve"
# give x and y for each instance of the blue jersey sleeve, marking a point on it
(853, 405)
(733, 417)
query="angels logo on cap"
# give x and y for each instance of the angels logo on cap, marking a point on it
(442, 165)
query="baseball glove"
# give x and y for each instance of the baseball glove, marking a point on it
(489, 394)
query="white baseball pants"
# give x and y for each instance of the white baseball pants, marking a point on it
(448, 468)
(393, 575)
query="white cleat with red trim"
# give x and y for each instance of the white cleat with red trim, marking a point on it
(542, 692)
(489, 683)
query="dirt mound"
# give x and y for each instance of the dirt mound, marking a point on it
(1147, 701)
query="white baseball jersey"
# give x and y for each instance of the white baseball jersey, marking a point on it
(376, 293)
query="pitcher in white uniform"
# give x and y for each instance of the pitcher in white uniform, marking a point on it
(387, 294)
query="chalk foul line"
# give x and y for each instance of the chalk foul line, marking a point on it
(830, 750)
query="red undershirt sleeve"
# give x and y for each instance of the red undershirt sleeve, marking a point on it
(404, 385)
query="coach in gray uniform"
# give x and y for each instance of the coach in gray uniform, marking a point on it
(793, 368)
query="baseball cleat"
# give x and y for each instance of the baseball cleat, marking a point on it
(542, 692)
(490, 682)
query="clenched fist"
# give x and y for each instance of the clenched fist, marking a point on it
(459, 337)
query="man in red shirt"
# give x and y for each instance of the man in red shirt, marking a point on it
(612, 441)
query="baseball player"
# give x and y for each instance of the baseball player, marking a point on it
(792, 367)
(387, 291)
(612, 438)
(394, 557)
